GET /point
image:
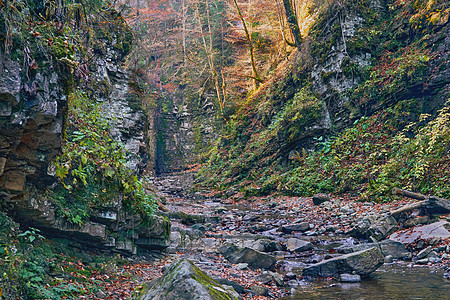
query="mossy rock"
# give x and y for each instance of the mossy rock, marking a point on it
(184, 280)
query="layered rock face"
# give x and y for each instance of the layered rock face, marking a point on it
(31, 123)
(32, 117)
(182, 132)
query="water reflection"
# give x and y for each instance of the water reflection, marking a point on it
(389, 282)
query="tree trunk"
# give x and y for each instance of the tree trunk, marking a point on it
(293, 23)
(255, 74)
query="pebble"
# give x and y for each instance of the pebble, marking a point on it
(424, 253)
(388, 259)
(350, 278)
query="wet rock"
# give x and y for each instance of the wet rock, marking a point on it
(289, 276)
(362, 263)
(297, 245)
(320, 198)
(350, 278)
(292, 283)
(423, 261)
(242, 266)
(255, 259)
(184, 280)
(301, 227)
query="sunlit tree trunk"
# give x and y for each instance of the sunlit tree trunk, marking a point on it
(256, 77)
(184, 11)
(138, 7)
(209, 50)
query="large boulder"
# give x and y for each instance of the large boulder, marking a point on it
(361, 263)
(184, 280)
(255, 259)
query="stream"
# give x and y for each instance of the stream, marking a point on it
(229, 222)
(391, 281)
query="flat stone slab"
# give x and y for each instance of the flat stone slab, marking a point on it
(361, 263)
(434, 230)
(388, 247)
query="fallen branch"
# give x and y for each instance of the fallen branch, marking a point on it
(161, 206)
(408, 194)
(408, 207)
(431, 203)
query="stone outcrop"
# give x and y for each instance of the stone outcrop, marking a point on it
(184, 280)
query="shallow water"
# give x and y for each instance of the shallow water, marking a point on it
(396, 281)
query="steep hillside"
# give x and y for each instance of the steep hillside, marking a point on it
(360, 108)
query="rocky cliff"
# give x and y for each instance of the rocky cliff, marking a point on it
(33, 109)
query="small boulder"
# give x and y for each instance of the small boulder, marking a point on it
(259, 290)
(255, 259)
(263, 245)
(297, 245)
(183, 280)
(362, 263)
(301, 227)
(320, 198)
(424, 253)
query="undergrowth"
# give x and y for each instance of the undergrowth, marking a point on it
(92, 168)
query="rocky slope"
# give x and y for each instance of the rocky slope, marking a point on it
(365, 71)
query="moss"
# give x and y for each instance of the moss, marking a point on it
(210, 284)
